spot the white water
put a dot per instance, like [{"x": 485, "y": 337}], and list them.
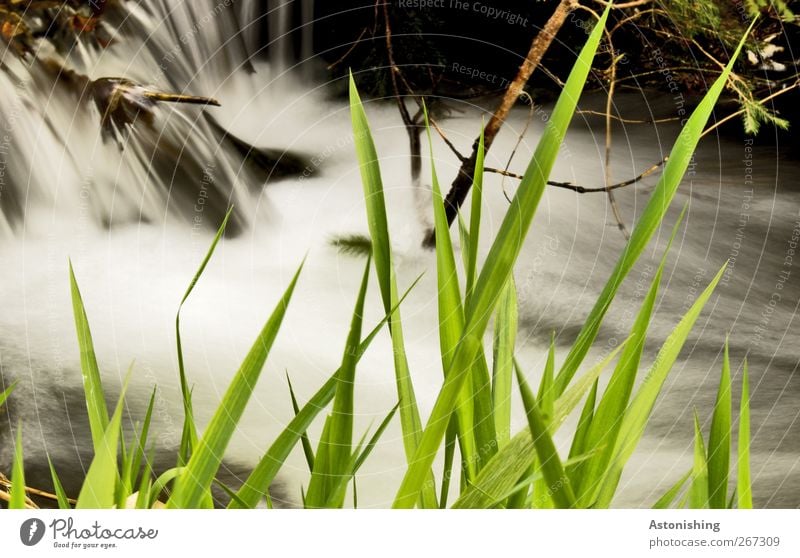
[{"x": 133, "y": 275}]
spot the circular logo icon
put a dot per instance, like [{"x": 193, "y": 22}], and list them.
[{"x": 31, "y": 532}]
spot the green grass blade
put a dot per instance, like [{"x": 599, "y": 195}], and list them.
[
  {"x": 514, "y": 461},
  {"x": 308, "y": 451},
  {"x": 92, "y": 385},
  {"x": 132, "y": 465},
  {"x": 569, "y": 400},
  {"x": 698, "y": 490},
  {"x": 100, "y": 485},
  {"x": 744, "y": 489},
  {"x": 719, "y": 440},
  {"x": 584, "y": 423},
  {"x": 17, "y": 497},
  {"x": 496, "y": 271},
  {"x": 638, "y": 412},
  {"x": 381, "y": 250},
  {"x": 230, "y": 493},
  {"x": 547, "y": 398},
  {"x": 335, "y": 446},
  {"x": 480, "y": 392},
  {"x": 671, "y": 495},
  {"x": 651, "y": 217},
  {"x": 505, "y": 334},
  {"x": 4, "y": 395},
  {"x": 61, "y": 496},
  {"x": 602, "y": 435},
  {"x": 193, "y": 485},
  {"x": 257, "y": 484},
  {"x": 322, "y": 482},
  {"x": 449, "y": 456},
  {"x": 451, "y": 315},
  {"x": 189, "y": 434},
  {"x": 362, "y": 457},
  {"x": 162, "y": 482},
  {"x": 475, "y": 216},
  {"x": 551, "y": 466}
]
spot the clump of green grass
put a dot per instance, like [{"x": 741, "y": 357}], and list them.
[{"x": 472, "y": 412}]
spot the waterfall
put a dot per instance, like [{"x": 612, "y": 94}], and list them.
[{"x": 54, "y": 147}]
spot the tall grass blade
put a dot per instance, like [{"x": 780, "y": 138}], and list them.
[
  {"x": 515, "y": 460},
  {"x": 99, "y": 487},
  {"x": 308, "y": 451},
  {"x": 189, "y": 434},
  {"x": 4, "y": 395},
  {"x": 92, "y": 385},
  {"x": 672, "y": 494},
  {"x": 58, "y": 488},
  {"x": 475, "y": 217},
  {"x": 653, "y": 214},
  {"x": 551, "y": 466},
  {"x": 381, "y": 251},
  {"x": 132, "y": 465},
  {"x": 497, "y": 269},
  {"x": 698, "y": 490},
  {"x": 257, "y": 484},
  {"x": 546, "y": 396},
  {"x": 336, "y": 446},
  {"x": 744, "y": 489},
  {"x": 17, "y": 497},
  {"x": 451, "y": 315},
  {"x": 638, "y": 412},
  {"x": 604, "y": 430},
  {"x": 719, "y": 440},
  {"x": 193, "y": 485},
  {"x": 584, "y": 423},
  {"x": 362, "y": 457},
  {"x": 505, "y": 334}
]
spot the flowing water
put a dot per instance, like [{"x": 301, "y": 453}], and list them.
[{"x": 136, "y": 216}]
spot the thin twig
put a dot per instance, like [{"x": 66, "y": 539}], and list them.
[{"x": 463, "y": 181}]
